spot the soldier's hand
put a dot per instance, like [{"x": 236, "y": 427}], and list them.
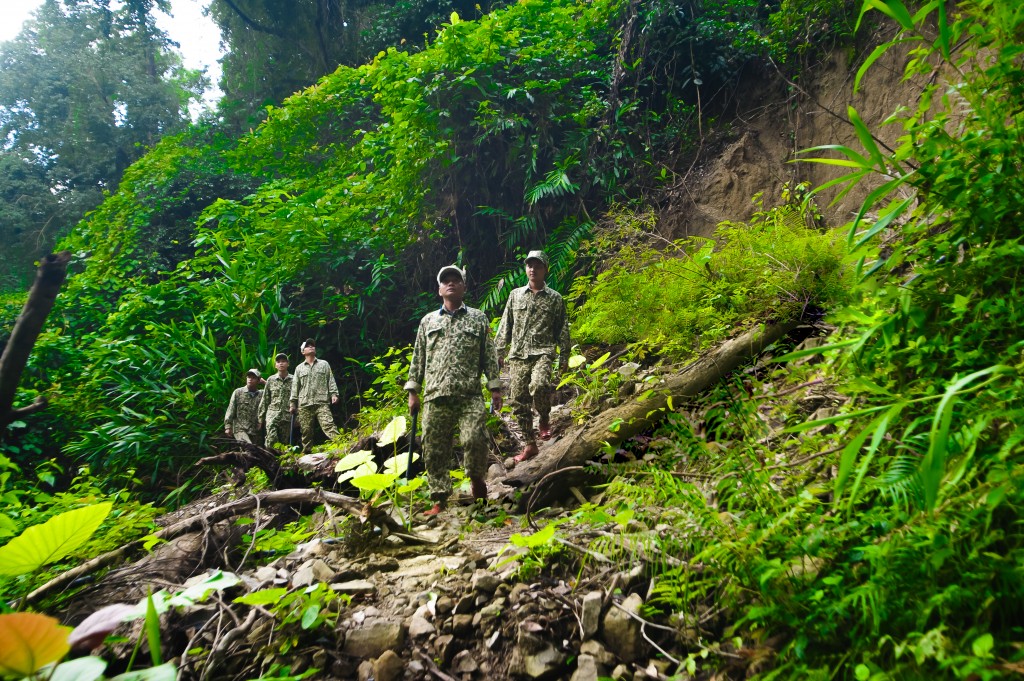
[
  {"x": 334, "y": 399},
  {"x": 496, "y": 401},
  {"x": 292, "y": 409},
  {"x": 414, "y": 402},
  {"x": 227, "y": 431}
]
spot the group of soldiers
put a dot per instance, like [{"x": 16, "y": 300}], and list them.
[
  {"x": 453, "y": 350},
  {"x": 308, "y": 394}
]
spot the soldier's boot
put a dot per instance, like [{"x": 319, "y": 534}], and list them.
[
  {"x": 529, "y": 451},
  {"x": 479, "y": 488}
]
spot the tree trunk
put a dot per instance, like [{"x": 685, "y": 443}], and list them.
[
  {"x": 612, "y": 427},
  {"x": 41, "y": 297}
]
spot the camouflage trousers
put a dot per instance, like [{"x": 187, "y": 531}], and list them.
[
  {"x": 310, "y": 414},
  {"x": 278, "y": 427},
  {"x": 441, "y": 417},
  {"x": 246, "y": 436},
  {"x": 530, "y": 387}
]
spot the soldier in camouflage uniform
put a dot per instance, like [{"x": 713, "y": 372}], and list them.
[
  {"x": 277, "y": 394},
  {"x": 453, "y": 348},
  {"x": 532, "y": 328},
  {"x": 313, "y": 391},
  {"x": 241, "y": 420}
]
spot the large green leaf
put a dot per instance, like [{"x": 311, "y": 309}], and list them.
[
  {"x": 51, "y": 541},
  {"x": 392, "y": 431}
]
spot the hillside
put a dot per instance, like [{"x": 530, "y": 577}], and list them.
[{"x": 787, "y": 451}]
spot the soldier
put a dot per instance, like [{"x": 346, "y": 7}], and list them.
[
  {"x": 241, "y": 420},
  {"x": 274, "y": 410},
  {"x": 313, "y": 390},
  {"x": 453, "y": 348},
  {"x": 533, "y": 326}
]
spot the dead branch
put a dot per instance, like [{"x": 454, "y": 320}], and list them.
[
  {"x": 49, "y": 277},
  {"x": 364, "y": 512}
]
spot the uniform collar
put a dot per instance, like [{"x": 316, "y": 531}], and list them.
[{"x": 462, "y": 308}]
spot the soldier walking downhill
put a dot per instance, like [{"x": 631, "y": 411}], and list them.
[
  {"x": 241, "y": 420},
  {"x": 533, "y": 327},
  {"x": 453, "y": 348},
  {"x": 277, "y": 394},
  {"x": 313, "y": 391}
]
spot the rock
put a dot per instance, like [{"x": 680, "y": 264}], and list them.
[
  {"x": 462, "y": 625},
  {"x": 485, "y": 581},
  {"x": 493, "y": 609},
  {"x": 356, "y": 586},
  {"x": 591, "y": 613},
  {"x": 265, "y": 574},
  {"x": 444, "y": 605},
  {"x": 464, "y": 663},
  {"x": 586, "y": 669},
  {"x": 518, "y": 592},
  {"x": 419, "y": 627},
  {"x": 365, "y": 672},
  {"x": 621, "y": 633},
  {"x": 444, "y": 650},
  {"x": 372, "y": 639},
  {"x": 388, "y": 667},
  {"x": 621, "y": 673},
  {"x": 466, "y": 605},
  {"x": 533, "y": 656},
  {"x": 312, "y": 572},
  {"x": 595, "y": 649}
]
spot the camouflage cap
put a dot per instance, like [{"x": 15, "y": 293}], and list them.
[
  {"x": 308, "y": 343},
  {"x": 280, "y": 357},
  {"x": 537, "y": 255},
  {"x": 451, "y": 268},
  {"x": 253, "y": 372}
]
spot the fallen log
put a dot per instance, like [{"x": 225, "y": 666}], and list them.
[
  {"x": 365, "y": 512},
  {"x": 49, "y": 277},
  {"x": 616, "y": 425}
]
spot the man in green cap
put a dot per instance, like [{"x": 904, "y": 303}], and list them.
[
  {"x": 313, "y": 391},
  {"x": 533, "y": 327},
  {"x": 241, "y": 420},
  {"x": 277, "y": 394},
  {"x": 453, "y": 348}
]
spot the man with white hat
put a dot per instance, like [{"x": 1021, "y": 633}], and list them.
[
  {"x": 313, "y": 391},
  {"x": 241, "y": 420},
  {"x": 534, "y": 326},
  {"x": 453, "y": 349}
]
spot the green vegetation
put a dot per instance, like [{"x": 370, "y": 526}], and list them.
[{"x": 881, "y": 540}]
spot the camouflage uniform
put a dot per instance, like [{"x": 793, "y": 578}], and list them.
[
  {"x": 533, "y": 326},
  {"x": 277, "y": 394},
  {"x": 242, "y": 416},
  {"x": 313, "y": 387},
  {"x": 452, "y": 350}
]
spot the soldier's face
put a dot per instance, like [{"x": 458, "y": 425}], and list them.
[
  {"x": 452, "y": 287},
  {"x": 536, "y": 271},
  {"x": 309, "y": 351},
  {"x": 251, "y": 382},
  {"x": 281, "y": 364}
]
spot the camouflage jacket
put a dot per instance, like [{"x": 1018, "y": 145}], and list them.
[
  {"x": 242, "y": 415},
  {"x": 313, "y": 384},
  {"x": 452, "y": 350},
  {"x": 534, "y": 324},
  {"x": 277, "y": 393}
]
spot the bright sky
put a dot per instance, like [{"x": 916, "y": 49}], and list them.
[{"x": 196, "y": 34}]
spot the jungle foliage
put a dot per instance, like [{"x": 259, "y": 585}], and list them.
[
  {"x": 496, "y": 136},
  {"x": 882, "y": 541}
]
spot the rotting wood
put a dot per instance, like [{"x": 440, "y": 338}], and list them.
[
  {"x": 359, "y": 509},
  {"x": 49, "y": 277},
  {"x": 616, "y": 425}
]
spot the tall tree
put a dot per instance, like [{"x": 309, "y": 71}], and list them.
[
  {"x": 85, "y": 88},
  {"x": 275, "y": 48}
]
